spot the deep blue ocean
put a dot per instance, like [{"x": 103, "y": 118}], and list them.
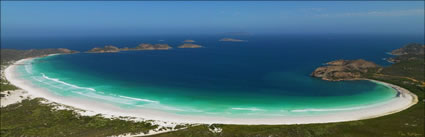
[{"x": 267, "y": 72}]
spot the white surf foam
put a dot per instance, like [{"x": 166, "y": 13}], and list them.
[
  {"x": 250, "y": 109},
  {"x": 68, "y": 84},
  {"x": 41, "y": 81},
  {"x": 28, "y": 67},
  {"x": 106, "y": 98}
]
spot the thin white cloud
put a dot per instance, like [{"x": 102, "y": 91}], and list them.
[{"x": 408, "y": 12}]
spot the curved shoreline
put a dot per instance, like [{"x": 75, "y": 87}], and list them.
[{"x": 397, "y": 104}]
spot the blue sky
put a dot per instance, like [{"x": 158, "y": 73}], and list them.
[{"x": 77, "y": 18}]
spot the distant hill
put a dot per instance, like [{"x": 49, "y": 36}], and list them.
[{"x": 8, "y": 55}]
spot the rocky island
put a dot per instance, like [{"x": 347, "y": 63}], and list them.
[
  {"x": 344, "y": 70},
  {"x": 106, "y": 49},
  {"x": 190, "y": 45},
  {"x": 231, "y": 40},
  {"x": 143, "y": 46}
]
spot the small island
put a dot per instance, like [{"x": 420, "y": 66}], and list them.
[
  {"x": 231, "y": 40},
  {"x": 106, "y": 49},
  {"x": 190, "y": 45},
  {"x": 188, "y": 40},
  {"x": 143, "y": 46}
]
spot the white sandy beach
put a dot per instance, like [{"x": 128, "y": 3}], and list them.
[{"x": 397, "y": 104}]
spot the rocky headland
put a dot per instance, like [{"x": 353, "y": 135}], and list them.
[
  {"x": 190, "y": 45},
  {"x": 231, "y": 40},
  {"x": 411, "y": 48},
  {"x": 344, "y": 70},
  {"x": 409, "y": 52}
]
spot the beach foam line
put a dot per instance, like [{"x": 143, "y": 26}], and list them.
[
  {"x": 161, "y": 107},
  {"x": 28, "y": 67},
  {"x": 41, "y": 81},
  {"x": 250, "y": 109},
  {"x": 106, "y": 98},
  {"x": 68, "y": 84},
  {"x": 139, "y": 99}
]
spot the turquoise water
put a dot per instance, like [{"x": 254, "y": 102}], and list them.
[{"x": 268, "y": 94}]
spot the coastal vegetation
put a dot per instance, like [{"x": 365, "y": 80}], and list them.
[
  {"x": 10, "y": 55},
  {"x": 33, "y": 118},
  {"x": 409, "y": 49}
]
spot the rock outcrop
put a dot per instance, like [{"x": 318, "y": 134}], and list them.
[
  {"x": 344, "y": 69},
  {"x": 190, "y": 45}
]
